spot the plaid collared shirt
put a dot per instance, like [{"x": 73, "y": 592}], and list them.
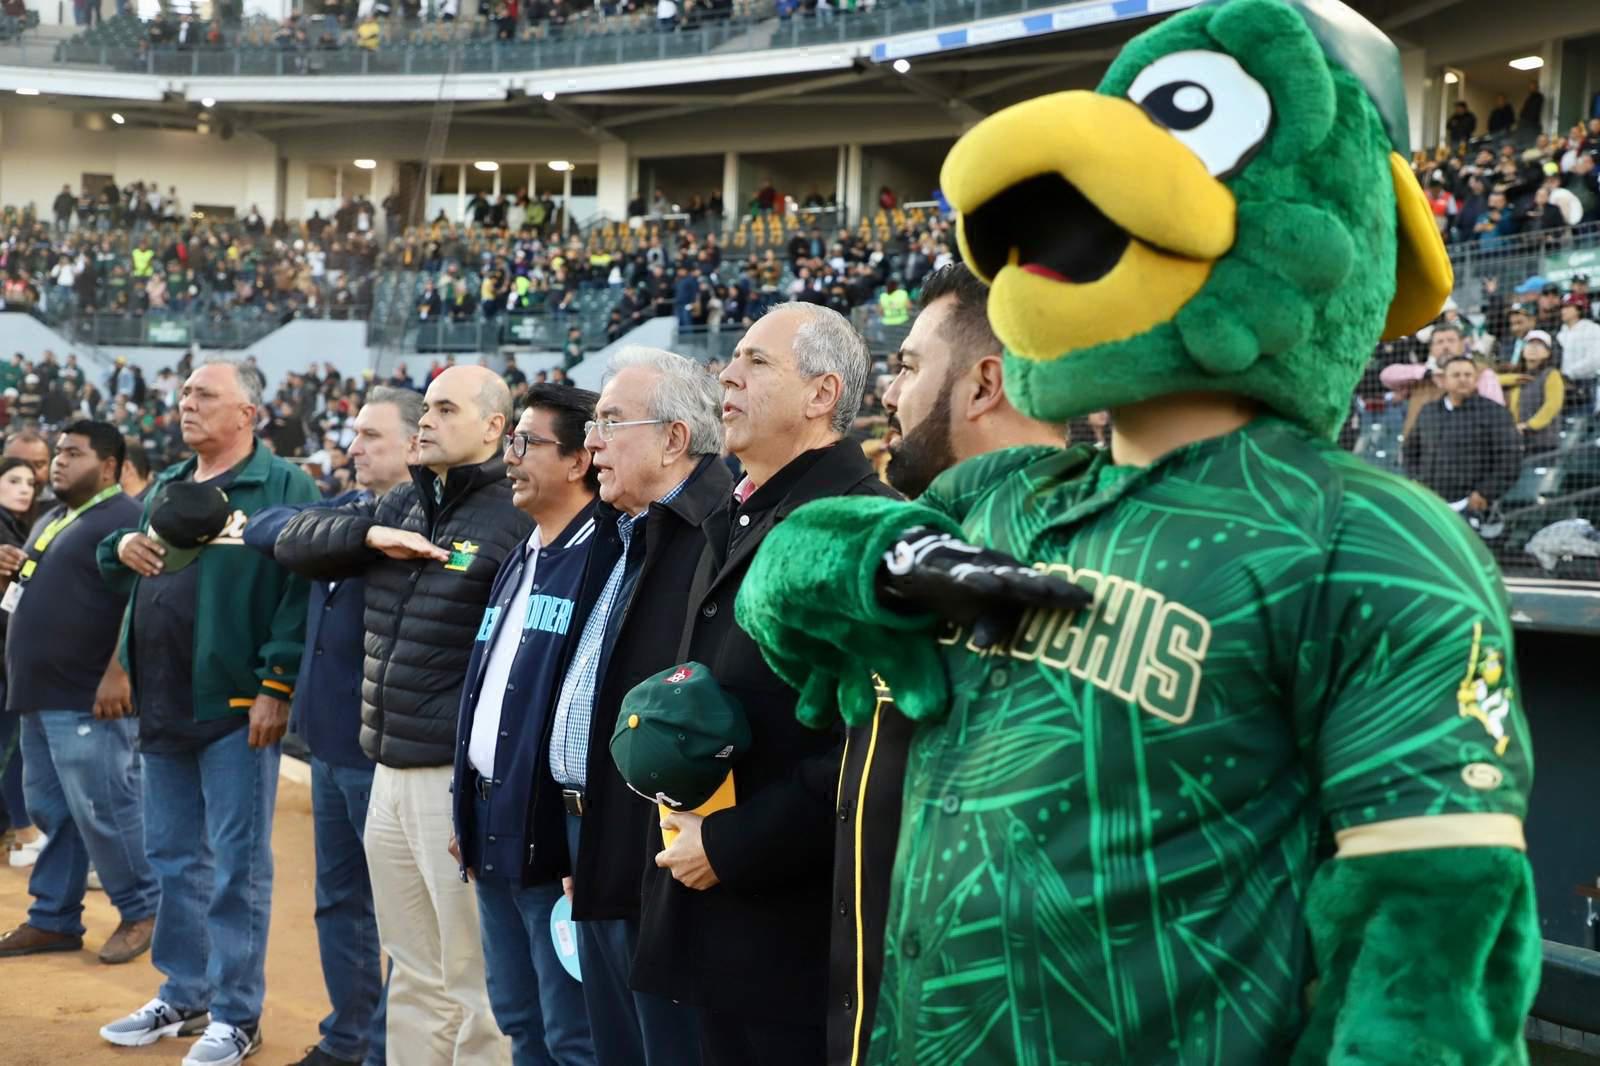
[{"x": 569, "y": 737}]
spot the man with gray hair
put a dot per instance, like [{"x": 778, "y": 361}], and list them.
[
  {"x": 735, "y": 917},
  {"x": 211, "y": 641},
  {"x": 327, "y": 716},
  {"x": 656, "y": 438}
]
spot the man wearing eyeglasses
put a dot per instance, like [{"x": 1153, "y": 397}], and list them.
[
  {"x": 429, "y": 550},
  {"x": 656, "y": 437},
  {"x": 516, "y": 663}
]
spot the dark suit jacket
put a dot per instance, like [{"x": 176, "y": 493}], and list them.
[
  {"x": 327, "y": 694},
  {"x": 611, "y": 862},
  {"x": 757, "y": 943}
]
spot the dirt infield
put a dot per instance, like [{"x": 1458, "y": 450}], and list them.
[{"x": 51, "y": 1006}]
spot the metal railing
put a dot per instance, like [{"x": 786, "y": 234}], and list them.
[
  {"x": 541, "y": 332},
  {"x": 1511, "y": 259},
  {"x": 569, "y": 49},
  {"x": 209, "y": 330}
]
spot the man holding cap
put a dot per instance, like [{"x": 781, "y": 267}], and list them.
[
  {"x": 656, "y": 439},
  {"x": 81, "y": 771},
  {"x": 212, "y": 642}
]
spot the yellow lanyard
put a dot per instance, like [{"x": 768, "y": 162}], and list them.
[{"x": 54, "y": 529}]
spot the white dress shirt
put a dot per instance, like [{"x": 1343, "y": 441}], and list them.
[{"x": 485, "y": 737}]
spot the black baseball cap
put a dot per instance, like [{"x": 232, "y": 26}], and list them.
[{"x": 185, "y": 518}]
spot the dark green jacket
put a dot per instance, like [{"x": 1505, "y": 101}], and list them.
[{"x": 250, "y": 612}]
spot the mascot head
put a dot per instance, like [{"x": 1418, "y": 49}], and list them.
[{"x": 1230, "y": 211}]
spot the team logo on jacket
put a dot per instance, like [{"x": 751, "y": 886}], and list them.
[
  {"x": 682, "y": 674},
  {"x": 462, "y": 554}
]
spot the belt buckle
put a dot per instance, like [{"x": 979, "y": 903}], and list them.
[{"x": 573, "y": 799}]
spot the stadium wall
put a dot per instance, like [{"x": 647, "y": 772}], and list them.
[{"x": 42, "y": 149}]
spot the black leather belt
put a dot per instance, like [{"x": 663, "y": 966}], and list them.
[
  {"x": 573, "y": 799},
  {"x": 482, "y": 786}
]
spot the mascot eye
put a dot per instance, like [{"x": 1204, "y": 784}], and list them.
[{"x": 1209, "y": 103}]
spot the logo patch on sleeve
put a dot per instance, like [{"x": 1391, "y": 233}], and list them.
[{"x": 1483, "y": 694}]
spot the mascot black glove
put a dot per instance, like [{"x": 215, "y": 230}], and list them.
[{"x": 960, "y": 582}]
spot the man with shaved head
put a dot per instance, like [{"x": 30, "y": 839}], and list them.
[{"x": 429, "y": 551}]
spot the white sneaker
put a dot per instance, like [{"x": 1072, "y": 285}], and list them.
[
  {"x": 151, "y": 1022},
  {"x": 24, "y": 855},
  {"x": 92, "y": 883},
  {"x": 223, "y": 1045}
]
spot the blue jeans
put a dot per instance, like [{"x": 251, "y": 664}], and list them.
[
  {"x": 82, "y": 781},
  {"x": 347, "y": 932},
  {"x": 13, "y": 803},
  {"x": 208, "y": 830},
  {"x": 536, "y": 1002},
  {"x": 630, "y": 1028}
]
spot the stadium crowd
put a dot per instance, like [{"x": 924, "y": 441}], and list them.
[
  {"x": 133, "y": 252},
  {"x": 1490, "y": 187}
]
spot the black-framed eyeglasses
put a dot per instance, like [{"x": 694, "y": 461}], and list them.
[{"x": 518, "y": 443}]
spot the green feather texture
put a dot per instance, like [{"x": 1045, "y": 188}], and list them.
[
  {"x": 810, "y": 601},
  {"x": 1426, "y": 958},
  {"x": 1291, "y": 314}
]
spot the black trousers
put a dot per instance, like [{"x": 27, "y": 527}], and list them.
[{"x": 728, "y": 1039}]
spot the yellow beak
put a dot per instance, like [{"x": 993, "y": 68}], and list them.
[{"x": 1067, "y": 208}]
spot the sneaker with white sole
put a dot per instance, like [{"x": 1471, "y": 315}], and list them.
[
  {"x": 26, "y": 854},
  {"x": 153, "y": 1021},
  {"x": 223, "y": 1045}
]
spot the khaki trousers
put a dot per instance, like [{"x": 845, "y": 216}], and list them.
[{"x": 428, "y": 924}]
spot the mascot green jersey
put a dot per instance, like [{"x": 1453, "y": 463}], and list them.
[{"x": 1261, "y": 801}]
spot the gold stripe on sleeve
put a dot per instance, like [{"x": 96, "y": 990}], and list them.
[{"x": 1464, "y": 830}]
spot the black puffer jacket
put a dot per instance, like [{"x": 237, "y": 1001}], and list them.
[{"x": 421, "y": 616}]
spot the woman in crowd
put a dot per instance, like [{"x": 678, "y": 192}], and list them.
[
  {"x": 1536, "y": 394},
  {"x": 21, "y": 841}
]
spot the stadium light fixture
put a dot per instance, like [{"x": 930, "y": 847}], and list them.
[
  {"x": 902, "y": 66},
  {"x": 366, "y": 164},
  {"x": 1450, "y": 77},
  {"x": 208, "y": 102},
  {"x": 27, "y": 92},
  {"x": 1527, "y": 63},
  {"x": 488, "y": 166},
  {"x": 116, "y": 116},
  {"x": 548, "y": 95},
  {"x": 560, "y": 165}
]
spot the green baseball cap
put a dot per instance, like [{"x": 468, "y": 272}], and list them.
[{"x": 678, "y": 735}]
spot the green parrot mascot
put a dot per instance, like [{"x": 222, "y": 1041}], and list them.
[{"x": 1261, "y": 800}]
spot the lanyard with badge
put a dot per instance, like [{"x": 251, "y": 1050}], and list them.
[{"x": 42, "y": 543}]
